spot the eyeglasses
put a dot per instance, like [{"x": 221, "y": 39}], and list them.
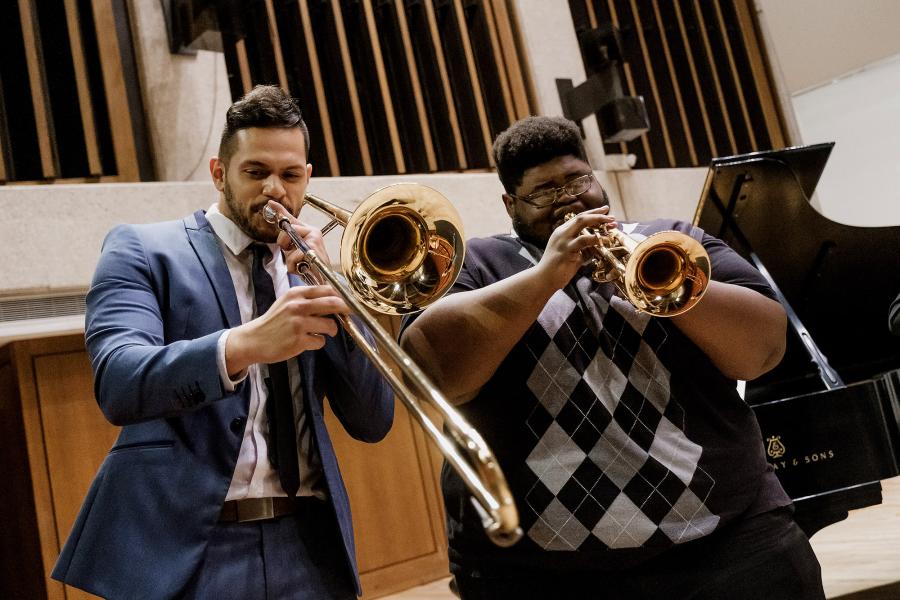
[{"x": 545, "y": 198}]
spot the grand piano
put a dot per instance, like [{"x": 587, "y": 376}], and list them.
[{"x": 829, "y": 413}]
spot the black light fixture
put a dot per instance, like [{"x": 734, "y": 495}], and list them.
[
  {"x": 621, "y": 118},
  {"x": 194, "y": 24}
]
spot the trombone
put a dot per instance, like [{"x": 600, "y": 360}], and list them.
[
  {"x": 402, "y": 249},
  {"x": 664, "y": 275}
]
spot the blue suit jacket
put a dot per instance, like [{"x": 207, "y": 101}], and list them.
[{"x": 160, "y": 298}]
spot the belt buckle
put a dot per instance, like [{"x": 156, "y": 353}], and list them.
[{"x": 255, "y": 509}]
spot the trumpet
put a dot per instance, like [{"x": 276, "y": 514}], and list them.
[
  {"x": 402, "y": 249},
  {"x": 664, "y": 275}
]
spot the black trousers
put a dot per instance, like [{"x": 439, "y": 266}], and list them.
[{"x": 764, "y": 557}]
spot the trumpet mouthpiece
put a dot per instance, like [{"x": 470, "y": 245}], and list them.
[{"x": 269, "y": 214}]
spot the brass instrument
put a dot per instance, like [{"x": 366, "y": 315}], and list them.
[
  {"x": 402, "y": 249},
  {"x": 664, "y": 275}
]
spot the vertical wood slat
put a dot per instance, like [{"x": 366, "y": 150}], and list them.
[
  {"x": 715, "y": 74},
  {"x": 427, "y": 140},
  {"x": 682, "y": 114},
  {"x": 325, "y": 117},
  {"x": 474, "y": 80},
  {"x": 760, "y": 73},
  {"x": 445, "y": 80},
  {"x": 4, "y": 150},
  {"x": 351, "y": 87},
  {"x": 497, "y": 55},
  {"x": 84, "y": 94},
  {"x": 696, "y": 81},
  {"x": 38, "y": 85},
  {"x": 735, "y": 76},
  {"x": 694, "y": 36},
  {"x": 505, "y": 88},
  {"x": 272, "y": 25},
  {"x": 510, "y": 59},
  {"x": 240, "y": 49},
  {"x": 632, "y": 91},
  {"x": 592, "y": 14},
  {"x": 384, "y": 87},
  {"x": 114, "y": 88},
  {"x": 651, "y": 76}
]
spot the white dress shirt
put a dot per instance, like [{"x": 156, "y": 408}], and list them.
[{"x": 254, "y": 476}]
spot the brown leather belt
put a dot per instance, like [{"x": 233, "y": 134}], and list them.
[{"x": 256, "y": 509}]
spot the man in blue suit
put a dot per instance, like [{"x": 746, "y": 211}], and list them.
[{"x": 200, "y": 339}]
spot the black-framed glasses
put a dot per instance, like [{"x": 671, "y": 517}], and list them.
[{"x": 545, "y": 198}]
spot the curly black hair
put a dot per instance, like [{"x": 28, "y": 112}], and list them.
[
  {"x": 533, "y": 141},
  {"x": 263, "y": 106}
]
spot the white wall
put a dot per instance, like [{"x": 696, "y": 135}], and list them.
[
  {"x": 820, "y": 40},
  {"x": 861, "y": 113},
  {"x": 837, "y": 61}
]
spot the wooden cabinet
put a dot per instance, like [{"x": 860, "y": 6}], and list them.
[{"x": 55, "y": 437}]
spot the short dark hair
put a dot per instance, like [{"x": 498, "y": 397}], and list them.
[
  {"x": 263, "y": 106},
  {"x": 533, "y": 141}
]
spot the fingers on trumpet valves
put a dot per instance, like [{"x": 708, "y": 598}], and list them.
[{"x": 595, "y": 218}]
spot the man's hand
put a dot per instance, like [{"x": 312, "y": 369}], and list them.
[
  {"x": 310, "y": 235},
  {"x": 563, "y": 255},
  {"x": 295, "y": 323}
]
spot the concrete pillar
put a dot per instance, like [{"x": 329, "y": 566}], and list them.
[{"x": 551, "y": 53}]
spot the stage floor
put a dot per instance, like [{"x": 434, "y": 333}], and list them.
[{"x": 861, "y": 553}]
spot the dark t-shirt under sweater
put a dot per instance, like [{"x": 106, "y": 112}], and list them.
[{"x": 618, "y": 436}]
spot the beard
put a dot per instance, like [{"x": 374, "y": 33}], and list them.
[
  {"x": 536, "y": 236},
  {"x": 250, "y": 220}
]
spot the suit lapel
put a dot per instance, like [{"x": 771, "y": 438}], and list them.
[{"x": 208, "y": 251}]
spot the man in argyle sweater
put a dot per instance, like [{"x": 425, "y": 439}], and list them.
[{"x": 637, "y": 469}]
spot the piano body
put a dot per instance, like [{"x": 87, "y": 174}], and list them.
[{"x": 830, "y": 412}]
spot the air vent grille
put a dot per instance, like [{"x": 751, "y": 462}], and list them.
[{"x": 27, "y": 309}]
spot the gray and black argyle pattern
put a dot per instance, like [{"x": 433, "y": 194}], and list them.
[{"x": 611, "y": 464}]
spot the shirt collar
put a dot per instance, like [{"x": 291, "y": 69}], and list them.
[{"x": 234, "y": 238}]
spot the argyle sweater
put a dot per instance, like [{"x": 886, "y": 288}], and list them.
[{"x": 618, "y": 436}]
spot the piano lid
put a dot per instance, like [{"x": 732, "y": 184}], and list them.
[{"x": 839, "y": 279}]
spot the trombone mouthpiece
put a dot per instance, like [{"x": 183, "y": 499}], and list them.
[{"x": 269, "y": 214}]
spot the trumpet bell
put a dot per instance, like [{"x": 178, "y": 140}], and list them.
[
  {"x": 667, "y": 274},
  {"x": 402, "y": 248}
]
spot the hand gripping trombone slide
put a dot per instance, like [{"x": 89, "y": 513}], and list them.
[{"x": 402, "y": 249}]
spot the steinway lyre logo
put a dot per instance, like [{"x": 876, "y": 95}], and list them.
[{"x": 775, "y": 449}]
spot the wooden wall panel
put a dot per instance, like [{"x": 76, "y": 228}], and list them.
[
  {"x": 21, "y": 565},
  {"x": 399, "y": 85},
  {"x": 76, "y": 434},
  {"x": 70, "y": 109},
  {"x": 702, "y": 71},
  {"x": 396, "y": 511}
]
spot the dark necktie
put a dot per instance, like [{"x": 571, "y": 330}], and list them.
[{"x": 279, "y": 405}]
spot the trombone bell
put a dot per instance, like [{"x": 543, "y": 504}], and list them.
[{"x": 402, "y": 247}]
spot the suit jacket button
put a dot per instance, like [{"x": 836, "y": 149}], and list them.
[{"x": 237, "y": 426}]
